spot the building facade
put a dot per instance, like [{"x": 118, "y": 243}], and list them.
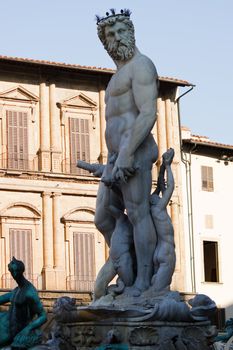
[
  {"x": 207, "y": 173},
  {"x": 51, "y": 115}
]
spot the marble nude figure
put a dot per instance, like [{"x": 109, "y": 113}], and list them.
[{"x": 134, "y": 223}]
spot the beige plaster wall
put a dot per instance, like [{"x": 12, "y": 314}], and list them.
[
  {"x": 65, "y": 202},
  {"x": 217, "y": 204}
]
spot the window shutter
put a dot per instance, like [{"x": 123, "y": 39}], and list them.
[
  {"x": 17, "y": 140},
  {"x": 79, "y": 143},
  {"x": 209, "y": 221},
  {"x": 84, "y": 260},
  {"x": 207, "y": 178},
  {"x": 10, "y": 138},
  {"x": 21, "y": 248},
  {"x": 210, "y": 179}
]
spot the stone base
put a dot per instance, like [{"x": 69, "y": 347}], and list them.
[
  {"x": 159, "y": 322},
  {"x": 156, "y": 335}
]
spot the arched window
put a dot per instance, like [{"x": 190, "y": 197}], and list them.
[
  {"x": 85, "y": 247},
  {"x": 20, "y": 237},
  {"x": 84, "y": 260}
]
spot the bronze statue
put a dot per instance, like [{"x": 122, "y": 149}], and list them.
[{"x": 20, "y": 326}]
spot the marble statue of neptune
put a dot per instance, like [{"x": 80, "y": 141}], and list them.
[{"x": 130, "y": 116}]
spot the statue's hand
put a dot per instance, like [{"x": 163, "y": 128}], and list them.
[
  {"x": 24, "y": 333},
  {"x": 22, "y": 337},
  {"x": 123, "y": 168},
  {"x": 168, "y": 156}
]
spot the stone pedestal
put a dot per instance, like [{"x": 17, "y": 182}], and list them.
[
  {"x": 156, "y": 335},
  {"x": 162, "y": 322}
]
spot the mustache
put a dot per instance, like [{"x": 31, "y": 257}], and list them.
[{"x": 114, "y": 46}]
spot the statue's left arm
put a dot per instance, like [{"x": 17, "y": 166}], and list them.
[
  {"x": 145, "y": 92},
  {"x": 5, "y": 298},
  {"x": 167, "y": 193}
]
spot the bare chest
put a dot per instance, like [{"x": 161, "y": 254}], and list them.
[
  {"x": 120, "y": 83},
  {"x": 19, "y": 297}
]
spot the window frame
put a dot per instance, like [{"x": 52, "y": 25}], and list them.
[
  {"x": 85, "y": 136},
  {"x": 21, "y": 216},
  {"x": 208, "y": 178},
  {"x": 216, "y": 240},
  {"x": 25, "y": 144}
]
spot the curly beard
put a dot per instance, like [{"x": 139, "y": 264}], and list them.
[{"x": 123, "y": 50}]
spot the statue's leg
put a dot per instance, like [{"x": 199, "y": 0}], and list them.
[
  {"x": 155, "y": 261},
  {"x": 125, "y": 269},
  {"x": 5, "y": 338},
  {"x": 166, "y": 260},
  {"x": 121, "y": 244},
  {"x": 105, "y": 275},
  {"x": 104, "y": 221},
  {"x": 136, "y": 194}
]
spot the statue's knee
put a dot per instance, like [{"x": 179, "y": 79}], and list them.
[
  {"x": 134, "y": 215},
  {"x": 96, "y": 221},
  {"x": 104, "y": 224},
  {"x": 99, "y": 223}
]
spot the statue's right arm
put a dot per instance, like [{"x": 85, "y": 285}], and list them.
[
  {"x": 167, "y": 193},
  {"x": 5, "y": 298}
]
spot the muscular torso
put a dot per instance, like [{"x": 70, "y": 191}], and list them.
[
  {"x": 163, "y": 225},
  {"x": 21, "y": 310},
  {"x": 121, "y": 110}
]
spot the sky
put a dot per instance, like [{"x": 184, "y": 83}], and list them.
[{"x": 186, "y": 39}]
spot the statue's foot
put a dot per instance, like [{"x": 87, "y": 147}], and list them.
[
  {"x": 132, "y": 291},
  {"x": 153, "y": 292}
]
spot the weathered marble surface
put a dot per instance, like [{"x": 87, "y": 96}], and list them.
[
  {"x": 156, "y": 335},
  {"x": 126, "y": 180},
  {"x": 141, "y": 335},
  {"x": 156, "y": 323},
  {"x": 134, "y": 223},
  {"x": 122, "y": 255}
]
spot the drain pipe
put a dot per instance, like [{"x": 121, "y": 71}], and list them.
[{"x": 187, "y": 163}]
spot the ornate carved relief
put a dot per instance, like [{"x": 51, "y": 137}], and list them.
[
  {"x": 85, "y": 336},
  {"x": 144, "y": 336}
]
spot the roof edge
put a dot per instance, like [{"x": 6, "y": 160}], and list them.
[{"x": 178, "y": 82}]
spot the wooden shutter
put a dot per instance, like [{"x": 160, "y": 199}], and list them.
[
  {"x": 207, "y": 178},
  {"x": 84, "y": 260},
  {"x": 79, "y": 143},
  {"x": 17, "y": 140},
  {"x": 21, "y": 248}
]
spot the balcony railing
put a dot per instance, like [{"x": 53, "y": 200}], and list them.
[
  {"x": 80, "y": 283},
  {"x": 9, "y": 283},
  {"x": 69, "y": 167},
  {"x": 19, "y": 161}
]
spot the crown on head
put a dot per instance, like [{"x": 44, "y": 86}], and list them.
[{"x": 112, "y": 13}]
